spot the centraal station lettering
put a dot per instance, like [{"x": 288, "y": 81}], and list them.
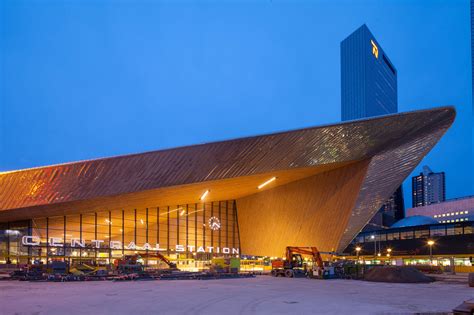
[{"x": 78, "y": 243}]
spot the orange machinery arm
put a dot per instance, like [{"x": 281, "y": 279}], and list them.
[
  {"x": 310, "y": 251},
  {"x": 159, "y": 256}
]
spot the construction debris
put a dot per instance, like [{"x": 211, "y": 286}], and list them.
[{"x": 396, "y": 274}]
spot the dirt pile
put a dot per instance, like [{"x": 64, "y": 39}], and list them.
[{"x": 396, "y": 274}]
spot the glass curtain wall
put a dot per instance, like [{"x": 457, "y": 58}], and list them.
[{"x": 188, "y": 232}]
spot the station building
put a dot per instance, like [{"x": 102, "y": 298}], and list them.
[
  {"x": 408, "y": 243},
  {"x": 315, "y": 186},
  {"x": 448, "y": 224}
]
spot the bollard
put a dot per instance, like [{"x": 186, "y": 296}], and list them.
[{"x": 471, "y": 279}]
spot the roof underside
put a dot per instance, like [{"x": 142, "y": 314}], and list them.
[{"x": 395, "y": 144}]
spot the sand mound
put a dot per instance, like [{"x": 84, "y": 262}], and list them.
[{"x": 396, "y": 274}]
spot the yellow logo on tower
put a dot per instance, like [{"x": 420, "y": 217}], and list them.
[{"x": 375, "y": 49}]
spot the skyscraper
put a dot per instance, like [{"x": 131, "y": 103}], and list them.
[
  {"x": 472, "y": 49},
  {"x": 428, "y": 188},
  {"x": 472, "y": 87},
  {"x": 368, "y": 78},
  {"x": 369, "y": 88}
]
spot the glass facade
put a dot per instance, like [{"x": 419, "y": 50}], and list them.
[
  {"x": 416, "y": 232},
  {"x": 411, "y": 245},
  {"x": 185, "y": 233},
  {"x": 368, "y": 78}
]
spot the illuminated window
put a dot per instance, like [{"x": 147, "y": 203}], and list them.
[
  {"x": 457, "y": 213},
  {"x": 435, "y": 216}
]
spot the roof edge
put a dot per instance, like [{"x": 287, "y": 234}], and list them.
[{"x": 448, "y": 108}]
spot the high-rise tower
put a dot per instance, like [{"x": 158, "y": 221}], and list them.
[
  {"x": 428, "y": 188},
  {"x": 368, "y": 78}
]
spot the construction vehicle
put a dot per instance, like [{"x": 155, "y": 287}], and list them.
[
  {"x": 225, "y": 265},
  {"x": 58, "y": 270},
  {"x": 35, "y": 272},
  {"x": 294, "y": 266},
  {"x": 171, "y": 265},
  {"x": 131, "y": 263}
]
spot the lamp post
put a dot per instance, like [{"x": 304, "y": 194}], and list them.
[
  {"x": 375, "y": 244},
  {"x": 389, "y": 252},
  {"x": 358, "y": 251},
  {"x": 430, "y": 244}
]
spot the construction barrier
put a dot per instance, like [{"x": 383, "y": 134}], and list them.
[{"x": 464, "y": 269}]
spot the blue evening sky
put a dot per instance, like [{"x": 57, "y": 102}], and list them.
[{"x": 89, "y": 79}]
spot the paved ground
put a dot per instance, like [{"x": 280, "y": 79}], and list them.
[{"x": 261, "y": 295}]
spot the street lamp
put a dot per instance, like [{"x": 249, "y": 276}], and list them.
[
  {"x": 389, "y": 251},
  {"x": 430, "y": 244},
  {"x": 375, "y": 244},
  {"x": 358, "y": 249}
]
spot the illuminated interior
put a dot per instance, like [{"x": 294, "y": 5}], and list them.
[{"x": 190, "y": 234}]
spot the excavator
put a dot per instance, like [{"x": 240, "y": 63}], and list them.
[
  {"x": 131, "y": 264},
  {"x": 294, "y": 266}
]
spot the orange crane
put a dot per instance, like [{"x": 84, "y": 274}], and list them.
[{"x": 293, "y": 263}]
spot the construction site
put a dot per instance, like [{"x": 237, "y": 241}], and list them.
[
  {"x": 299, "y": 282},
  {"x": 298, "y": 263}
]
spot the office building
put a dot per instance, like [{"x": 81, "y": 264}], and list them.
[
  {"x": 428, "y": 188},
  {"x": 368, "y": 77}
]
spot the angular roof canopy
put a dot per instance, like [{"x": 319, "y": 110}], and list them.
[{"x": 394, "y": 144}]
